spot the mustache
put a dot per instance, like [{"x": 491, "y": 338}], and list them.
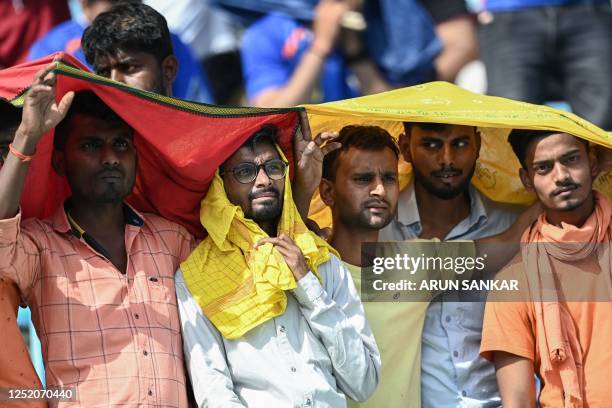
[
  {"x": 116, "y": 172},
  {"x": 375, "y": 202},
  {"x": 447, "y": 171},
  {"x": 258, "y": 193},
  {"x": 564, "y": 187}
]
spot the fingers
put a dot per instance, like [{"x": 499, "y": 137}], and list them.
[
  {"x": 45, "y": 75},
  {"x": 325, "y": 137},
  {"x": 65, "y": 103},
  {"x": 305, "y": 126}
]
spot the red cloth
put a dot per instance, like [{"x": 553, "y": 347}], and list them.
[
  {"x": 24, "y": 21},
  {"x": 179, "y": 144}
]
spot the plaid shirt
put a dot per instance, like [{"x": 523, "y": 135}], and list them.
[{"x": 114, "y": 337}]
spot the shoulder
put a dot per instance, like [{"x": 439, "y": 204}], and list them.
[
  {"x": 156, "y": 224},
  {"x": 273, "y": 26}
]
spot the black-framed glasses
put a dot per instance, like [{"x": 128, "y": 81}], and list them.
[{"x": 244, "y": 173}]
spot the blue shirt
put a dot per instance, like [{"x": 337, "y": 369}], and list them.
[
  {"x": 271, "y": 51},
  {"x": 452, "y": 372},
  {"x": 190, "y": 82}
]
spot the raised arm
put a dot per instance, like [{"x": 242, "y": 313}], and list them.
[
  {"x": 40, "y": 114},
  {"x": 298, "y": 89}
]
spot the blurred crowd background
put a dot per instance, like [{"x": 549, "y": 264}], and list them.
[{"x": 289, "y": 52}]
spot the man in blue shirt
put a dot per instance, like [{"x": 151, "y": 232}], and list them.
[
  {"x": 442, "y": 203},
  {"x": 286, "y": 62},
  {"x": 527, "y": 45},
  {"x": 190, "y": 82}
]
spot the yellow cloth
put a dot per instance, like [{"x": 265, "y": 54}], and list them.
[
  {"x": 496, "y": 173},
  {"x": 239, "y": 287}
]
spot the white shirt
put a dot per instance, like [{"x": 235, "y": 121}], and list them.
[{"x": 314, "y": 354}]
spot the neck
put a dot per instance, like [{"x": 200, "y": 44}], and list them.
[
  {"x": 270, "y": 227},
  {"x": 98, "y": 219},
  {"x": 347, "y": 242},
  {"x": 438, "y": 216},
  {"x": 576, "y": 217}
]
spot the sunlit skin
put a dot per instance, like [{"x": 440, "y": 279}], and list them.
[
  {"x": 138, "y": 69},
  {"x": 443, "y": 164},
  {"x": 363, "y": 198},
  {"x": 560, "y": 171},
  {"x": 262, "y": 199}
]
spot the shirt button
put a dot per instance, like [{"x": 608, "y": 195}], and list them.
[
  {"x": 150, "y": 392},
  {"x": 463, "y": 393},
  {"x": 146, "y": 353},
  {"x": 281, "y": 329},
  {"x": 136, "y": 316},
  {"x": 308, "y": 402},
  {"x": 456, "y": 353},
  {"x": 293, "y": 369},
  {"x": 448, "y": 319}
]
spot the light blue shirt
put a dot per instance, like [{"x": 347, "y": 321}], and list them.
[{"x": 452, "y": 372}]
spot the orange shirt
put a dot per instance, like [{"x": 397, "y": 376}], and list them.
[
  {"x": 14, "y": 353},
  {"x": 114, "y": 337},
  {"x": 510, "y": 326}
]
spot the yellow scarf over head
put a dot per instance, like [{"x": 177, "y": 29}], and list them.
[{"x": 237, "y": 286}]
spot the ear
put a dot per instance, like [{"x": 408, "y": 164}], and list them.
[
  {"x": 524, "y": 175},
  {"x": 58, "y": 162},
  {"x": 326, "y": 190},
  {"x": 169, "y": 68},
  {"x": 404, "y": 146}
]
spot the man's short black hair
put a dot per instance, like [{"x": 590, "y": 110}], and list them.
[
  {"x": 10, "y": 116},
  {"x": 128, "y": 26},
  {"x": 520, "y": 139},
  {"x": 267, "y": 134},
  {"x": 84, "y": 103},
  {"x": 370, "y": 138}
]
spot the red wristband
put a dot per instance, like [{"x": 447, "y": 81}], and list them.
[{"x": 19, "y": 155}]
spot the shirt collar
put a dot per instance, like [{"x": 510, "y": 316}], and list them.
[
  {"x": 61, "y": 224},
  {"x": 408, "y": 211}
]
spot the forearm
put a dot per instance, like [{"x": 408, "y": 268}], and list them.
[
  {"x": 13, "y": 175},
  {"x": 370, "y": 79},
  {"x": 501, "y": 248},
  {"x": 298, "y": 89},
  {"x": 341, "y": 326},
  {"x": 460, "y": 46}
]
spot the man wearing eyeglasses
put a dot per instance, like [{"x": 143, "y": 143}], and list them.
[{"x": 270, "y": 316}]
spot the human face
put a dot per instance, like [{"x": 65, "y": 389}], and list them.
[
  {"x": 99, "y": 160},
  {"x": 137, "y": 69},
  {"x": 364, "y": 193},
  {"x": 443, "y": 162},
  {"x": 6, "y": 138},
  {"x": 262, "y": 199},
  {"x": 560, "y": 172}
]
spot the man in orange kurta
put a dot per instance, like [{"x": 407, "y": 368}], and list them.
[{"x": 561, "y": 332}]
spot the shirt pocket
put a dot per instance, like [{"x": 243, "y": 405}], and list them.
[{"x": 162, "y": 303}]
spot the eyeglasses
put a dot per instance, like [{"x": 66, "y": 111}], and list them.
[{"x": 244, "y": 173}]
